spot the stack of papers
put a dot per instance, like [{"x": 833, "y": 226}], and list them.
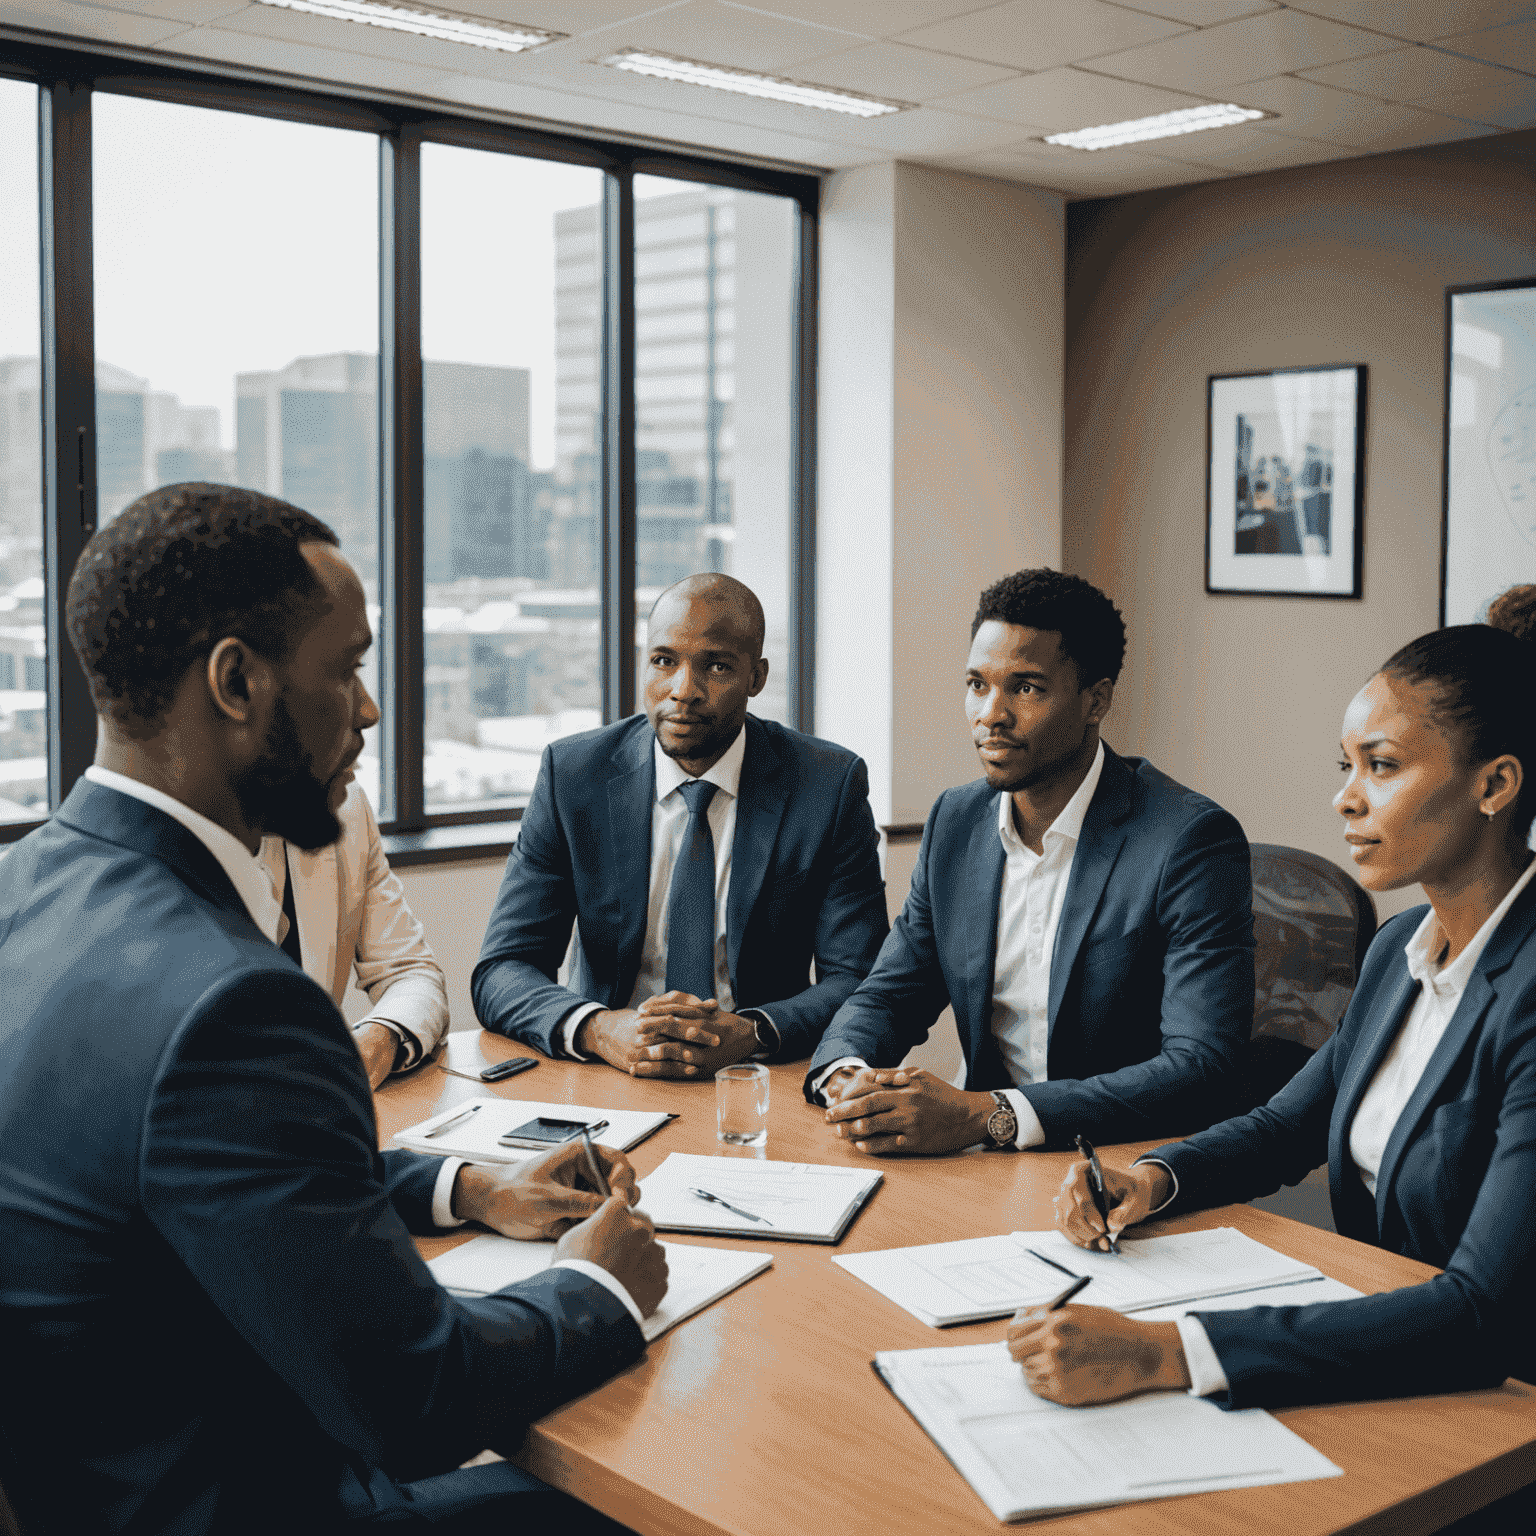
[
  {"x": 696, "y": 1277},
  {"x": 1025, "y": 1456},
  {"x": 476, "y": 1136},
  {"x": 982, "y": 1277},
  {"x": 801, "y": 1202}
]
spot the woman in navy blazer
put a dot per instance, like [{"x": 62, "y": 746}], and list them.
[{"x": 1423, "y": 1104}]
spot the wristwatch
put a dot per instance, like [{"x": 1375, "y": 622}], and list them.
[
  {"x": 764, "y": 1032},
  {"x": 1002, "y": 1123}
]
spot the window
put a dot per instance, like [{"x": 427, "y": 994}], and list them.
[
  {"x": 23, "y": 656},
  {"x": 507, "y": 366}
]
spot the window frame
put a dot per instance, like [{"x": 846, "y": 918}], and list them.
[{"x": 67, "y": 78}]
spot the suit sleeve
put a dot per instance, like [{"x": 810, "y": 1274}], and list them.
[
  {"x": 513, "y": 984},
  {"x": 850, "y": 923},
  {"x": 257, "y": 1168},
  {"x": 896, "y": 1005},
  {"x": 394, "y": 963},
  {"x": 1205, "y": 912}
]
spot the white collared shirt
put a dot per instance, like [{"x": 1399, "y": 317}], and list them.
[
  {"x": 1029, "y": 908},
  {"x": 669, "y": 825}
]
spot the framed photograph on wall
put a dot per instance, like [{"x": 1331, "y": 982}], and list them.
[
  {"x": 1488, "y": 537},
  {"x": 1285, "y": 481}
]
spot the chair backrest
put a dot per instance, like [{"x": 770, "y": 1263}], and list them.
[
  {"x": 1312, "y": 925},
  {"x": 9, "y": 1525}
]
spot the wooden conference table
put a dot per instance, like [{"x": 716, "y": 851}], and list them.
[{"x": 761, "y": 1415}]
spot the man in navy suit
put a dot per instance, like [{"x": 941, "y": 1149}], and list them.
[
  {"x": 1088, "y": 919},
  {"x": 214, "y": 1319},
  {"x": 706, "y": 858}
]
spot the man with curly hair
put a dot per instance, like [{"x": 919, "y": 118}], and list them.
[
  {"x": 1515, "y": 610},
  {"x": 1088, "y": 919}
]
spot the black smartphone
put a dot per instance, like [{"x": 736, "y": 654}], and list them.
[
  {"x": 508, "y": 1068},
  {"x": 547, "y": 1132}
]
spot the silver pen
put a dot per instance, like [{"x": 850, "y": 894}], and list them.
[
  {"x": 594, "y": 1168},
  {"x": 448, "y": 1125},
  {"x": 704, "y": 1194}
]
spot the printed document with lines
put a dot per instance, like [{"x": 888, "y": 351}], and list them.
[
  {"x": 982, "y": 1277},
  {"x": 802, "y": 1202},
  {"x": 696, "y": 1277},
  {"x": 1024, "y": 1456},
  {"x": 475, "y": 1137}
]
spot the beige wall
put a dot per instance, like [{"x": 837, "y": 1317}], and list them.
[{"x": 1241, "y": 697}]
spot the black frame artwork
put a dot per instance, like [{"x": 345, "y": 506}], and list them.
[
  {"x": 1481, "y": 528},
  {"x": 1283, "y": 532}
]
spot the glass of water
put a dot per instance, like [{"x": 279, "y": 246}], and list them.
[{"x": 741, "y": 1104}]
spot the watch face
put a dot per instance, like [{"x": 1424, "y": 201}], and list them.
[{"x": 1002, "y": 1126}]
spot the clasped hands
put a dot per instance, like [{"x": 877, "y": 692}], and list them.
[
  {"x": 1081, "y": 1355},
  {"x": 551, "y": 1196},
  {"x": 897, "y": 1111},
  {"x": 674, "y": 1035}
]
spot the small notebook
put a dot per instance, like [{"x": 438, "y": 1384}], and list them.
[
  {"x": 1026, "y": 1457},
  {"x": 794, "y": 1202},
  {"x": 983, "y": 1277},
  {"x": 696, "y": 1277},
  {"x": 476, "y": 1136}
]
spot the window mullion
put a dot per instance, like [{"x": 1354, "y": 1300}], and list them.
[
  {"x": 618, "y": 486},
  {"x": 802, "y": 485}
]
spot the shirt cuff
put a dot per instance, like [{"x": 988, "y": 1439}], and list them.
[
  {"x": 1031, "y": 1132},
  {"x": 1172, "y": 1176},
  {"x": 442, "y": 1194},
  {"x": 837, "y": 1066},
  {"x": 569, "y": 1025},
  {"x": 407, "y": 1048},
  {"x": 773, "y": 1029},
  {"x": 1205, "y": 1373},
  {"x": 597, "y": 1272}
]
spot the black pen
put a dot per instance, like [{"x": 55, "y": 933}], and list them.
[
  {"x": 594, "y": 1168},
  {"x": 1069, "y": 1293},
  {"x": 1097, "y": 1188}
]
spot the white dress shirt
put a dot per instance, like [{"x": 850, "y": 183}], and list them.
[
  {"x": 1383, "y": 1102},
  {"x": 253, "y": 883},
  {"x": 1029, "y": 907},
  {"x": 669, "y": 825}
]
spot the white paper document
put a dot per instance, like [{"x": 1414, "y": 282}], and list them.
[
  {"x": 1024, "y": 1456},
  {"x": 696, "y": 1276},
  {"x": 800, "y": 1202},
  {"x": 475, "y": 1136},
  {"x": 982, "y": 1277},
  {"x": 1299, "y": 1293}
]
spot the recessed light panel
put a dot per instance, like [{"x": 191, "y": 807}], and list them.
[
  {"x": 504, "y": 37},
  {"x": 746, "y": 82},
  {"x": 1166, "y": 125}
]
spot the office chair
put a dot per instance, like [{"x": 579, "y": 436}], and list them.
[
  {"x": 1312, "y": 925},
  {"x": 9, "y": 1525}
]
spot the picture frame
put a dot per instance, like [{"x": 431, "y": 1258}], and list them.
[
  {"x": 1285, "y": 482},
  {"x": 1488, "y": 518}
]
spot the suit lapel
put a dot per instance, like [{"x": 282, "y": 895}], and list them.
[
  {"x": 631, "y": 796},
  {"x": 983, "y": 876},
  {"x": 1097, "y": 849},
  {"x": 760, "y": 805}
]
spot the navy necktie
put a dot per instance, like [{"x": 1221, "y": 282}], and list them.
[
  {"x": 290, "y": 911},
  {"x": 691, "y": 900}
]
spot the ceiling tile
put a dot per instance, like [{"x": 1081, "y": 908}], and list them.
[
  {"x": 1104, "y": 173},
  {"x": 1058, "y": 100},
  {"x": 1420, "y": 21},
  {"x": 726, "y": 34},
  {"x": 87, "y": 21},
  {"x": 1039, "y": 34},
  {"x": 908, "y": 74},
  {"x": 1511, "y": 105},
  {"x": 924, "y": 131},
  {"x": 1416, "y": 74},
  {"x": 1275, "y": 43},
  {"x": 878, "y": 18},
  {"x": 1243, "y": 150},
  {"x": 1418, "y": 129},
  {"x": 1513, "y": 46},
  {"x": 1313, "y": 111},
  {"x": 1202, "y": 13},
  {"x": 194, "y": 12},
  {"x": 323, "y": 64},
  {"x": 574, "y": 16}
]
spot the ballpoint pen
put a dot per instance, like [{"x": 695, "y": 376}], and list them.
[
  {"x": 1069, "y": 1293},
  {"x": 1035, "y": 1253},
  {"x": 448, "y": 1125},
  {"x": 1097, "y": 1188},
  {"x": 704, "y": 1194},
  {"x": 594, "y": 1168}
]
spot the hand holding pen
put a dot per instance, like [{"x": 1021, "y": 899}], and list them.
[{"x": 1126, "y": 1196}]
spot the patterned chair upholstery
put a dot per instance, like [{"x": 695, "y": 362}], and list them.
[{"x": 1312, "y": 925}]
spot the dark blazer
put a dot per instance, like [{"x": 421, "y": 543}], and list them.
[
  {"x": 1151, "y": 990},
  {"x": 1456, "y": 1188},
  {"x": 212, "y": 1315},
  {"x": 805, "y": 884}
]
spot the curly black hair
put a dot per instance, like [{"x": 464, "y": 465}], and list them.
[
  {"x": 177, "y": 571},
  {"x": 1091, "y": 629},
  {"x": 1515, "y": 610}
]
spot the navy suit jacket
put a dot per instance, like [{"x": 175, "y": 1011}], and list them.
[
  {"x": 212, "y": 1316},
  {"x": 1456, "y": 1188},
  {"x": 805, "y": 884},
  {"x": 1151, "y": 988}
]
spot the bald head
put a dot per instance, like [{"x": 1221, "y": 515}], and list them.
[{"x": 730, "y": 604}]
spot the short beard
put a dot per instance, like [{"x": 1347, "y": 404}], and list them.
[
  {"x": 1033, "y": 776},
  {"x": 713, "y": 745},
  {"x": 280, "y": 794}
]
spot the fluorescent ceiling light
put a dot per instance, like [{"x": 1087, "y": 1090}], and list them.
[
  {"x": 747, "y": 82},
  {"x": 1165, "y": 125},
  {"x": 503, "y": 36}
]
